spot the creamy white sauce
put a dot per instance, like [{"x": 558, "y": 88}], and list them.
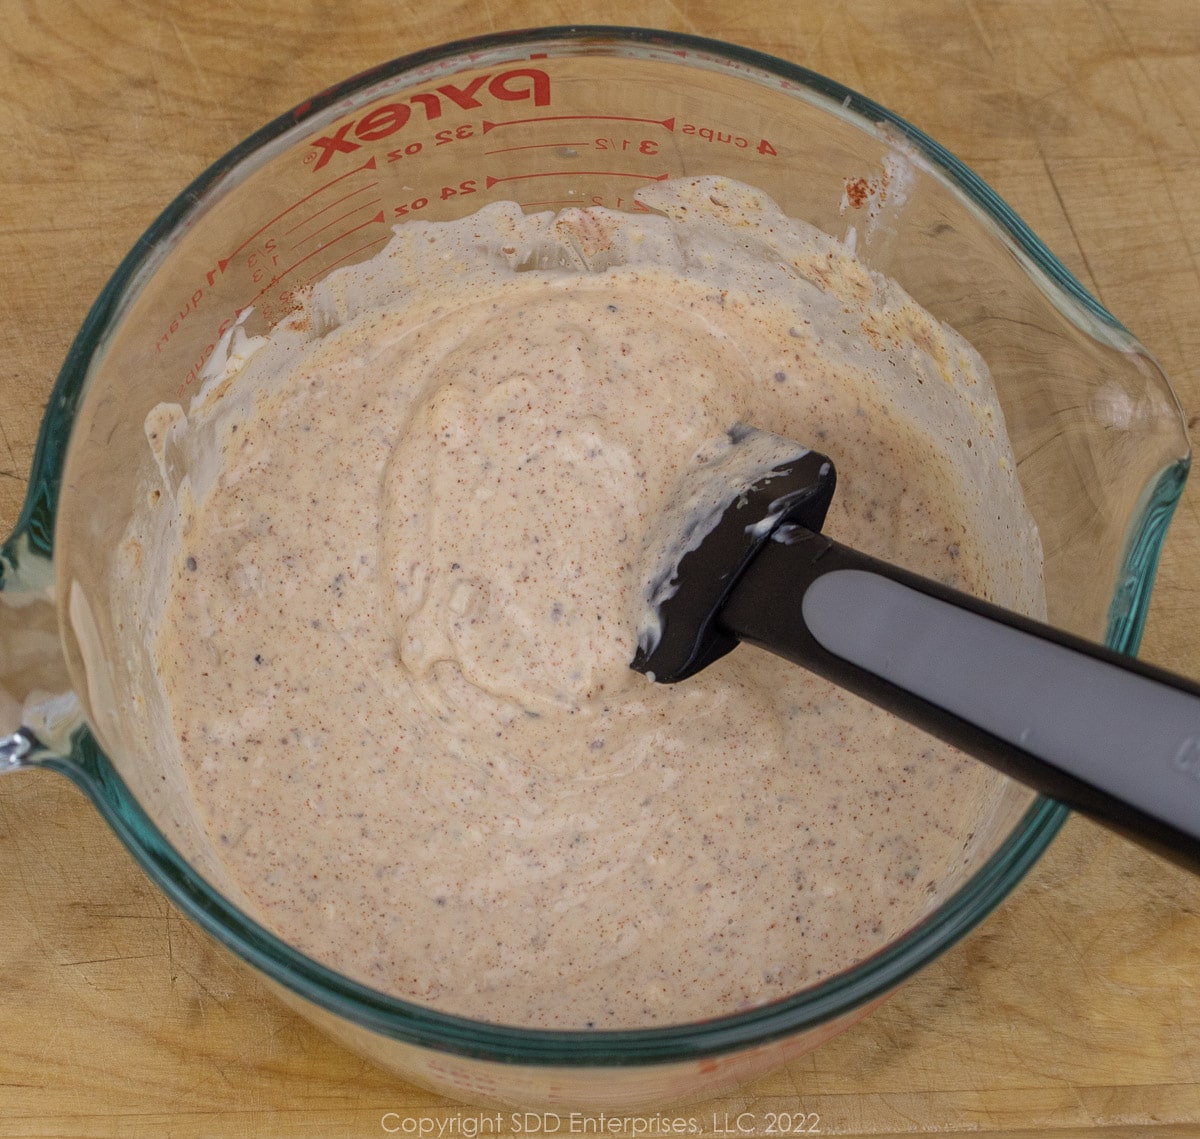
[{"x": 409, "y": 577}]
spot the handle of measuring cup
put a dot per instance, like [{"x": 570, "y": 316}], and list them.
[{"x": 36, "y": 697}]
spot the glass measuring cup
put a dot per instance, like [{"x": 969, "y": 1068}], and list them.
[{"x": 574, "y": 116}]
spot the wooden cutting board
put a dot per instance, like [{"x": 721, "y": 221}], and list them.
[{"x": 1075, "y": 1010}]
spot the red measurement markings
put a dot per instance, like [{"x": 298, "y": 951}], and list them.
[
  {"x": 379, "y": 217},
  {"x": 539, "y": 146},
  {"x": 552, "y": 202},
  {"x": 728, "y": 138},
  {"x": 488, "y": 125},
  {"x": 340, "y": 218},
  {"x": 346, "y": 257},
  {"x": 490, "y": 181},
  {"x": 368, "y": 165},
  {"x": 335, "y": 202},
  {"x": 646, "y": 146}
]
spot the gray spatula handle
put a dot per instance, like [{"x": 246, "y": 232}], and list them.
[{"x": 1102, "y": 732}]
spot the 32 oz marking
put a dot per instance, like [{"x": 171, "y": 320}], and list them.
[{"x": 441, "y": 138}]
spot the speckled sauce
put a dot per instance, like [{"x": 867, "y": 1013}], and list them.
[{"x": 396, "y": 629}]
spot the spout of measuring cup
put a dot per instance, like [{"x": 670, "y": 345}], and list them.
[{"x": 38, "y": 707}]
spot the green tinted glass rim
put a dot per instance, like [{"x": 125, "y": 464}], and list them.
[
  {"x": 1131, "y": 599},
  {"x": 389, "y": 1016}
]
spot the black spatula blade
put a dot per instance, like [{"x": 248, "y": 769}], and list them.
[{"x": 797, "y": 492}]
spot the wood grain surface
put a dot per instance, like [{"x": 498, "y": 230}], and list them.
[{"x": 1075, "y": 1010}]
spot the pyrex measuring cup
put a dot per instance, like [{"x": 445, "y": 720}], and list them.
[{"x": 549, "y": 118}]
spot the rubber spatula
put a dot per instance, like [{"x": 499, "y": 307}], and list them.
[{"x": 1101, "y": 732}]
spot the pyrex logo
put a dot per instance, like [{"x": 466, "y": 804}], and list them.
[{"x": 511, "y": 86}]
